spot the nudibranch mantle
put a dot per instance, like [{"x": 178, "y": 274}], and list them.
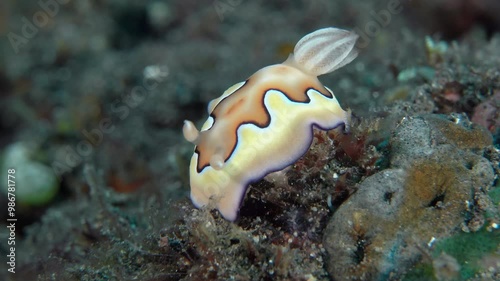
[{"x": 265, "y": 123}]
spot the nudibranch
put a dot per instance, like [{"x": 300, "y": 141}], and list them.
[{"x": 265, "y": 123}]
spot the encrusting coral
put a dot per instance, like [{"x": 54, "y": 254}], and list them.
[{"x": 427, "y": 194}]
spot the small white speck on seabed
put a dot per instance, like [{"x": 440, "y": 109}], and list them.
[{"x": 431, "y": 242}]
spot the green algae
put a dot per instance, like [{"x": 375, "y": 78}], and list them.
[
  {"x": 495, "y": 195},
  {"x": 468, "y": 249},
  {"x": 421, "y": 272}
]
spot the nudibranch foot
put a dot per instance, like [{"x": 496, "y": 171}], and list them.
[{"x": 265, "y": 123}]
